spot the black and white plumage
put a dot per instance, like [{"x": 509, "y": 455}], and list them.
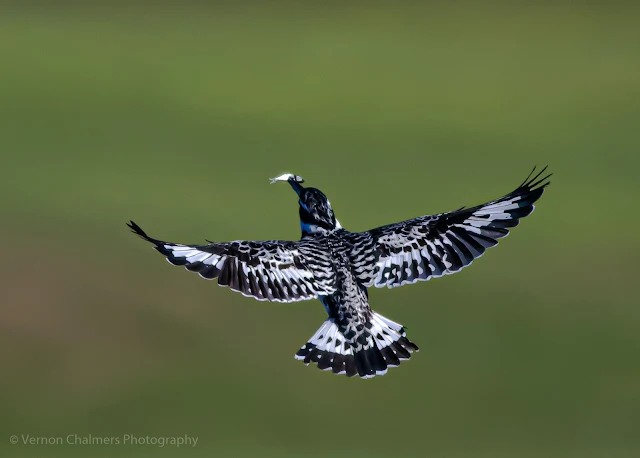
[{"x": 337, "y": 266}]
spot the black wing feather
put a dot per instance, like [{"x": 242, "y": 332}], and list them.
[
  {"x": 272, "y": 270},
  {"x": 431, "y": 246}
]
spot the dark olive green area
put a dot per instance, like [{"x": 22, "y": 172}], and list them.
[{"x": 176, "y": 117}]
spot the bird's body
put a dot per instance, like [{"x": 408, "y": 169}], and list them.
[
  {"x": 346, "y": 343},
  {"x": 337, "y": 266}
]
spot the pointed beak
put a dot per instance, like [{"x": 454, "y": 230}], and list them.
[
  {"x": 297, "y": 187},
  {"x": 293, "y": 180}
]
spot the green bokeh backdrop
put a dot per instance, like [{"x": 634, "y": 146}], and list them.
[{"x": 176, "y": 116}]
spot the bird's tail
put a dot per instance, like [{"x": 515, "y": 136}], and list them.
[{"x": 381, "y": 344}]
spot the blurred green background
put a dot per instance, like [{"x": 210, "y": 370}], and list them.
[{"x": 175, "y": 116}]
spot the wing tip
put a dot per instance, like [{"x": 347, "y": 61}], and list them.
[
  {"x": 534, "y": 183},
  {"x": 137, "y": 229},
  {"x": 141, "y": 233}
]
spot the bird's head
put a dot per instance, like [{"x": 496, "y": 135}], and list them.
[{"x": 316, "y": 214}]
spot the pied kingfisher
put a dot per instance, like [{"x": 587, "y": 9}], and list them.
[{"x": 337, "y": 266}]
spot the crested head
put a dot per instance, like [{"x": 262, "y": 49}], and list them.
[{"x": 316, "y": 214}]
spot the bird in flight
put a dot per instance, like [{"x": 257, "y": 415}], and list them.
[{"x": 337, "y": 267}]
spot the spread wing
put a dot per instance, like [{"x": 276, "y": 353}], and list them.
[
  {"x": 274, "y": 270},
  {"x": 431, "y": 246}
]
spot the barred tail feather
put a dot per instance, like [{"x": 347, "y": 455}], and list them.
[
  {"x": 391, "y": 340},
  {"x": 385, "y": 346},
  {"x": 330, "y": 350}
]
